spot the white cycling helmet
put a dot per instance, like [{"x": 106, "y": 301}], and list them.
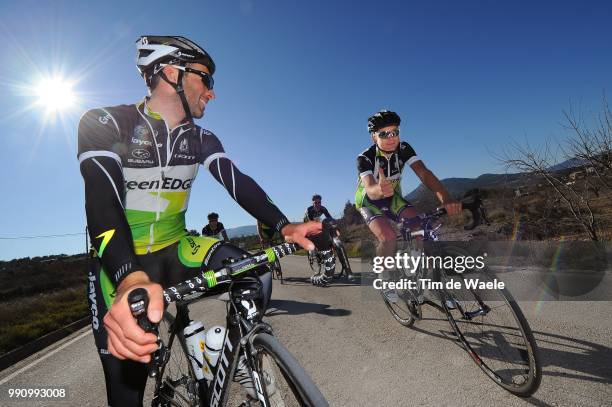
[{"x": 154, "y": 50}]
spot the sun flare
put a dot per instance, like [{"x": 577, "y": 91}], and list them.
[{"x": 55, "y": 94}]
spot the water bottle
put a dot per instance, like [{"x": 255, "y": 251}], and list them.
[
  {"x": 214, "y": 344},
  {"x": 195, "y": 340}
]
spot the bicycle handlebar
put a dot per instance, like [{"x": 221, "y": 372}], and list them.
[
  {"x": 473, "y": 207},
  {"x": 138, "y": 299},
  {"x": 232, "y": 270}
]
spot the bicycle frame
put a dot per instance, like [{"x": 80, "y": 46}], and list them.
[
  {"x": 428, "y": 233},
  {"x": 239, "y": 329}
]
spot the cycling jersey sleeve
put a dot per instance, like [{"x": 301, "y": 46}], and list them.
[
  {"x": 220, "y": 228},
  {"x": 307, "y": 215},
  {"x": 98, "y": 143},
  {"x": 326, "y": 213},
  {"x": 407, "y": 153},
  {"x": 242, "y": 188},
  {"x": 365, "y": 165}
]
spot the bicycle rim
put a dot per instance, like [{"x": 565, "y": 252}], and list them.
[
  {"x": 279, "y": 271},
  {"x": 315, "y": 264},
  {"x": 283, "y": 381},
  {"x": 178, "y": 385},
  {"x": 404, "y": 310},
  {"x": 495, "y": 333}
]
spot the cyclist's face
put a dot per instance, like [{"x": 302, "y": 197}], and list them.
[
  {"x": 197, "y": 94},
  {"x": 213, "y": 223},
  {"x": 386, "y": 144}
]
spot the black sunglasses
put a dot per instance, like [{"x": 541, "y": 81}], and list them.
[
  {"x": 388, "y": 134},
  {"x": 208, "y": 80}
]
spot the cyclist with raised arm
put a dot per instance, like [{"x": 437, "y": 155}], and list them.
[
  {"x": 215, "y": 228},
  {"x": 138, "y": 162},
  {"x": 379, "y": 195}
]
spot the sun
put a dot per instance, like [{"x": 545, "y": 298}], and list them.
[{"x": 55, "y": 94}]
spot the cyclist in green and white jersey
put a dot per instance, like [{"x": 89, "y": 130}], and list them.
[
  {"x": 139, "y": 162},
  {"x": 379, "y": 195}
]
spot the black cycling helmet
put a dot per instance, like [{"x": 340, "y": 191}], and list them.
[
  {"x": 382, "y": 119},
  {"x": 316, "y": 196},
  {"x": 153, "y": 50},
  {"x": 213, "y": 216}
]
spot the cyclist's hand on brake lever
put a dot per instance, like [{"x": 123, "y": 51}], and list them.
[
  {"x": 126, "y": 340},
  {"x": 297, "y": 232},
  {"x": 386, "y": 186}
]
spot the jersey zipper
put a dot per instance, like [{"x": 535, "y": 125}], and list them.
[{"x": 161, "y": 170}]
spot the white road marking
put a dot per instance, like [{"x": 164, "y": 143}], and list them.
[{"x": 37, "y": 361}]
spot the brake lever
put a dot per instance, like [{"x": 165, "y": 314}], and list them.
[{"x": 138, "y": 300}]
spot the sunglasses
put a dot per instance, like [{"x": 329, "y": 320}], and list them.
[
  {"x": 388, "y": 134},
  {"x": 207, "y": 79}
]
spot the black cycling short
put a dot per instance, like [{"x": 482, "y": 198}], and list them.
[{"x": 126, "y": 380}]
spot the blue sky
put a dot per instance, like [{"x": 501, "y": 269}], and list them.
[{"x": 295, "y": 84}]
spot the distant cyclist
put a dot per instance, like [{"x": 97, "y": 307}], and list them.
[
  {"x": 139, "y": 162},
  {"x": 267, "y": 238},
  {"x": 316, "y": 212},
  {"x": 215, "y": 228},
  {"x": 266, "y": 235},
  {"x": 379, "y": 195}
]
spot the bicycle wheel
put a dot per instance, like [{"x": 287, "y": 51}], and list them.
[
  {"x": 278, "y": 271},
  {"x": 283, "y": 381},
  {"x": 492, "y": 328},
  {"x": 314, "y": 262},
  {"x": 407, "y": 308},
  {"x": 402, "y": 309},
  {"x": 177, "y": 384}
]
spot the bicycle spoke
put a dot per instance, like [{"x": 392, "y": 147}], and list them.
[{"x": 495, "y": 336}]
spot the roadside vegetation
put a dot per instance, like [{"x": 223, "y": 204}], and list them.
[{"x": 39, "y": 295}]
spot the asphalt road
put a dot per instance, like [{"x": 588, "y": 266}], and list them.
[{"x": 359, "y": 356}]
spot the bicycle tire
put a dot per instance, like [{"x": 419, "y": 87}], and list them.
[
  {"x": 407, "y": 309},
  {"x": 401, "y": 309},
  {"x": 278, "y": 271},
  {"x": 314, "y": 263},
  {"x": 512, "y": 376},
  {"x": 273, "y": 363},
  {"x": 177, "y": 384}
]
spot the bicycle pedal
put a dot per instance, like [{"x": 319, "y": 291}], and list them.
[
  {"x": 451, "y": 304},
  {"x": 479, "y": 312}
]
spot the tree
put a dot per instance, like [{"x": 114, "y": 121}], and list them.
[
  {"x": 591, "y": 146},
  {"x": 350, "y": 214}
]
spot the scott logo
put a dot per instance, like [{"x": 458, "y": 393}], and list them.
[
  {"x": 104, "y": 119},
  {"x": 222, "y": 371},
  {"x": 194, "y": 246}
]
